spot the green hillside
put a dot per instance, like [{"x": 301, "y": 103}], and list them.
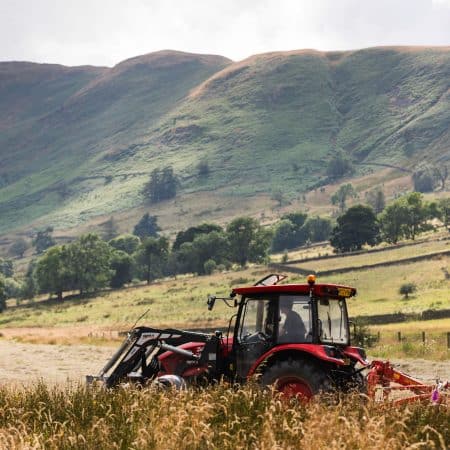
[
  {"x": 95, "y": 126},
  {"x": 269, "y": 123}
]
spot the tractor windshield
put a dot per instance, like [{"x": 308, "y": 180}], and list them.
[{"x": 333, "y": 321}]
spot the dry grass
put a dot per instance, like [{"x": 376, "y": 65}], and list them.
[
  {"x": 411, "y": 344},
  {"x": 217, "y": 418}
]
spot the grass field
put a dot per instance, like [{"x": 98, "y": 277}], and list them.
[
  {"x": 181, "y": 302},
  {"x": 411, "y": 344},
  {"x": 219, "y": 417},
  {"x": 375, "y": 257}
]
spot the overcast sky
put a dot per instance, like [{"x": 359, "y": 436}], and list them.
[{"x": 105, "y": 32}]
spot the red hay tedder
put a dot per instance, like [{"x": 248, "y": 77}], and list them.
[{"x": 295, "y": 337}]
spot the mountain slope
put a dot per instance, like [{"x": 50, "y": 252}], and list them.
[
  {"x": 268, "y": 123},
  {"x": 97, "y": 121}
]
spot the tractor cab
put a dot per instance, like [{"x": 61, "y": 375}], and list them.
[{"x": 271, "y": 318}]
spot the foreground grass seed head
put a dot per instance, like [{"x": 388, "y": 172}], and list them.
[{"x": 219, "y": 417}]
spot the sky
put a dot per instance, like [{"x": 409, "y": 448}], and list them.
[{"x": 105, "y": 32}]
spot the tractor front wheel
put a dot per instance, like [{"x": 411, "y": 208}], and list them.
[{"x": 296, "y": 378}]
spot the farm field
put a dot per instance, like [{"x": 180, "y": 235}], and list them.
[
  {"x": 180, "y": 302},
  {"x": 405, "y": 252},
  {"x": 48, "y": 347}
]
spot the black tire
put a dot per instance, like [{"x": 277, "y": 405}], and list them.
[{"x": 296, "y": 378}]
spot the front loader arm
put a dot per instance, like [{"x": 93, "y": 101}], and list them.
[{"x": 137, "y": 357}]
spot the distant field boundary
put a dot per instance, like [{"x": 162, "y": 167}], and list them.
[
  {"x": 362, "y": 252},
  {"x": 306, "y": 271},
  {"x": 378, "y": 319},
  {"x": 381, "y": 319}
]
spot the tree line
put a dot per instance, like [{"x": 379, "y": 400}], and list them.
[
  {"x": 90, "y": 262},
  {"x": 403, "y": 218}
]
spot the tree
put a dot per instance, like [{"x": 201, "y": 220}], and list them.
[
  {"x": 18, "y": 247},
  {"x": 147, "y": 227},
  {"x": 298, "y": 219},
  {"x": 192, "y": 256},
  {"x": 191, "y": 233},
  {"x": 53, "y": 271},
  {"x": 290, "y": 232},
  {"x": 2, "y": 295},
  {"x": 151, "y": 257},
  {"x": 341, "y": 196},
  {"x": 284, "y": 236},
  {"x": 392, "y": 221},
  {"x": 89, "y": 260},
  {"x": 43, "y": 240},
  {"x": 376, "y": 199},
  {"x": 278, "y": 196},
  {"x": 184, "y": 259},
  {"x": 127, "y": 243},
  {"x": 6, "y": 267},
  {"x": 419, "y": 213},
  {"x": 30, "y": 285},
  {"x": 317, "y": 229},
  {"x": 355, "y": 228},
  {"x": 110, "y": 229},
  {"x": 248, "y": 241},
  {"x": 203, "y": 169},
  {"x": 121, "y": 264},
  {"x": 161, "y": 186},
  {"x": 209, "y": 267},
  {"x": 212, "y": 246},
  {"x": 444, "y": 212},
  {"x": 13, "y": 288},
  {"x": 423, "y": 179},
  {"x": 407, "y": 217},
  {"x": 339, "y": 165},
  {"x": 441, "y": 173},
  {"x": 407, "y": 289}
]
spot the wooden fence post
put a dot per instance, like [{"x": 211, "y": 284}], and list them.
[
  {"x": 423, "y": 337},
  {"x": 399, "y": 335},
  {"x": 448, "y": 340}
]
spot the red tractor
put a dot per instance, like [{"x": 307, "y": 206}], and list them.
[{"x": 293, "y": 336}]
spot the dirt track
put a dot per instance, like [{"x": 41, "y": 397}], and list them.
[{"x": 25, "y": 363}]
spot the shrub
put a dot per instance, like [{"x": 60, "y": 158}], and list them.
[
  {"x": 407, "y": 289},
  {"x": 209, "y": 266}
]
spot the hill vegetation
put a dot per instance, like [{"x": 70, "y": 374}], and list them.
[{"x": 78, "y": 143}]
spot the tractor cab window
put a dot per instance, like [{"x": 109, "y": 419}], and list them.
[
  {"x": 256, "y": 322},
  {"x": 332, "y": 321},
  {"x": 295, "y": 319}
]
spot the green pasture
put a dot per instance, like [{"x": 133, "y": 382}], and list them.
[
  {"x": 408, "y": 251},
  {"x": 181, "y": 301}
]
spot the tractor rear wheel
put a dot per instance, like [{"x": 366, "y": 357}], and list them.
[{"x": 296, "y": 378}]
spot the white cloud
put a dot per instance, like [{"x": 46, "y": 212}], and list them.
[{"x": 104, "y": 32}]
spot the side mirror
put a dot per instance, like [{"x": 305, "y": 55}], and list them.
[{"x": 210, "y": 302}]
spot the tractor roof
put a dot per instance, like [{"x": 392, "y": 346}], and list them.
[{"x": 320, "y": 290}]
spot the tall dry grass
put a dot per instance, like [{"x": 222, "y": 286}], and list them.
[{"x": 77, "y": 417}]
